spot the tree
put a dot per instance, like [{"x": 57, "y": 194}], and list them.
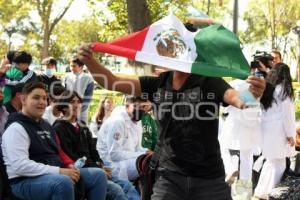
[
  {"x": 44, "y": 8},
  {"x": 216, "y": 9},
  {"x": 11, "y": 26},
  {"x": 70, "y": 34},
  {"x": 270, "y": 20},
  {"x": 138, "y": 15},
  {"x": 133, "y": 15}
]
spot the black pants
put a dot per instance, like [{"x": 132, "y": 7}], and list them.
[{"x": 174, "y": 186}]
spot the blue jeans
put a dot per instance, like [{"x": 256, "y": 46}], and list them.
[
  {"x": 60, "y": 187},
  {"x": 120, "y": 189}
]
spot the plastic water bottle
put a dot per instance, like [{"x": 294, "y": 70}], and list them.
[
  {"x": 247, "y": 97},
  {"x": 80, "y": 162}
]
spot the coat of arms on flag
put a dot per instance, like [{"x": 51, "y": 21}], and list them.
[{"x": 170, "y": 44}]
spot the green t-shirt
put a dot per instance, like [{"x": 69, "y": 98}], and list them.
[{"x": 149, "y": 137}]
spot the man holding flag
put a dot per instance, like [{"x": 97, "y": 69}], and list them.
[{"x": 186, "y": 100}]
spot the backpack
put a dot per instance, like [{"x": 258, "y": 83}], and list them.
[{"x": 146, "y": 173}]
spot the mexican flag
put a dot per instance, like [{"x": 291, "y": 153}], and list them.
[{"x": 211, "y": 51}]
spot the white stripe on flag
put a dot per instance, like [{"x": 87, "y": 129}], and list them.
[{"x": 170, "y": 63}]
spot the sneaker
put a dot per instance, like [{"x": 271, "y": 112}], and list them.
[{"x": 244, "y": 189}]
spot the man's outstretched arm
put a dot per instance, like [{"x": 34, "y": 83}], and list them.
[
  {"x": 257, "y": 87},
  {"x": 105, "y": 77}
]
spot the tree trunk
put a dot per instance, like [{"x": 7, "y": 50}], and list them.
[
  {"x": 138, "y": 15},
  {"x": 273, "y": 37},
  {"x": 298, "y": 65},
  {"x": 138, "y": 18},
  {"x": 44, "y": 9},
  {"x": 208, "y": 7},
  {"x": 235, "y": 16},
  {"x": 46, "y": 40}
]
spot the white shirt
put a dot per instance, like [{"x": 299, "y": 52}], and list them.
[
  {"x": 78, "y": 83},
  {"x": 119, "y": 138},
  {"x": 241, "y": 129},
  {"x": 48, "y": 115},
  {"x": 15, "y": 145}
]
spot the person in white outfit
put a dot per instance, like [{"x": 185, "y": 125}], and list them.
[
  {"x": 277, "y": 127},
  {"x": 119, "y": 139},
  {"x": 241, "y": 131},
  {"x": 52, "y": 113}
]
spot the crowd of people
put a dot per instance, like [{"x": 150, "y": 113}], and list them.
[
  {"x": 45, "y": 121},
  {"x": 45, "y": 132}
]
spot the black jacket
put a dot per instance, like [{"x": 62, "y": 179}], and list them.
[
  {"x": 76, "y": 143},
  {"x": 49, "y": 81}
]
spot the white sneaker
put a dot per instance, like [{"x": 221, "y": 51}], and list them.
[{"x": 243, "y": 190}]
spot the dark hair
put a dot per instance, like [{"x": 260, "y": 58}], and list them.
[
  {"x": 65, "y": 98},
  {"x": 22, "y": 57},
  {"x": 133, "y": 99},
  {"x": 10, "y": 56},
  {"x": 190, "y": 27},
  {"x": 278, "y": 53},
  {"x": 17, "y": 89},
  {"x": 280, "y": 74},
  {"x": 29, "y": 87},
  {"x": 49, "y": 61},
  {"x": 77, "y": 61},
  {"x": 56, "y": 91}
]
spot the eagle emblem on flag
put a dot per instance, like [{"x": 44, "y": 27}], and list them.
[{"x": 170, "y": 43}]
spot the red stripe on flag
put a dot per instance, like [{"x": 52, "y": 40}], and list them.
[
  {"x": 126, "y": 46},
  {"x": 115, "y": 50}
]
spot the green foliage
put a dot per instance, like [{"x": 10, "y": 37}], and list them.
[
  {"x": 13, "y": 14},
  {"x": 112, "y": 16},
  {"x": 270, "y": 20},
  {"x": 100, "y": 94},
  {"x": 70, "y": 34},
  {"x": 13, "y": 10},
  {"x": 296, "y": 86},
  {"x": 217, "y": 9},
  {"x": 160, "y": 8},
  {"x": 116, "y": 23}
]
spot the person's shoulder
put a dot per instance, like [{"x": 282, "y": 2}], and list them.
[
  {"x": 59, "y": 123},
  {"x": 33, "y": 73},
  {"x": 161, "y": 76},
  {"x": 116, "y": 120},
  {"x": 41, "y": 77},
  {"x": 69, "y": 75},
  {"x": 214, "y": 81},
  {"x": 45, "y": 124},
  {"x": 86, "y": 76},
  {"x": 15, "y": 128}
]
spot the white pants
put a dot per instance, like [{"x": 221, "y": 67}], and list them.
[
  {"x": 230, "y": 162},
  {"x": 270, "y": 176},
  {"x": 126, "y": 169},
  {"x": 246, "y": 163}
]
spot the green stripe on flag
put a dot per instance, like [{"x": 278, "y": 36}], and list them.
[{"x": 219, "y": 54}]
